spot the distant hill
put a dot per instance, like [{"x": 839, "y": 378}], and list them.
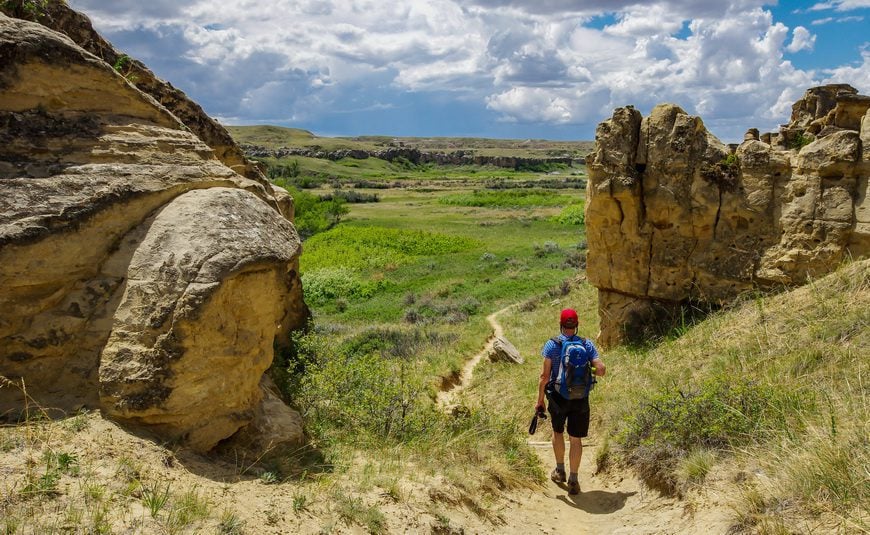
[{"x": 274, "y": 137}]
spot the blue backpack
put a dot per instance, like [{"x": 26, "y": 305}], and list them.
[{"x": 575, "y": 378}]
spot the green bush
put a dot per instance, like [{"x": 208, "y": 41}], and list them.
[
  {"x": 375, "y": 247},
  {"x": 514, "y": 198},
  {"x": 29, "y": 9},
  {"x": 364, "y": 395},
  {"x": 396, "y": 343},
  {"x": 313, "y": 214},
  {"x": 322, "y": 286},
  {"x": 573, "y": 214},
  {"x": 352, "y": 197},
  {"x": 719, "y": 414}
]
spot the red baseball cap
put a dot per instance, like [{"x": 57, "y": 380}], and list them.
[{"x": 568, "y": 318}]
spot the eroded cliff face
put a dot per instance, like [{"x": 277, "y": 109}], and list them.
[
  {"x": 139, "y": 274},
  {"x": 676, "y": 218},
  {"x": 58, "y": 16}
]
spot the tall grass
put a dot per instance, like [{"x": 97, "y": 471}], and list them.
[
  {"x": 772, "y": 391},
  {"x": 805, "y": 353}
]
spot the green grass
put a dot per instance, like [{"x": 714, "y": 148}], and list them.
[
  {"x": 508, "y": 198},
  {"x": 774, "y": 386},
  {"x": 400, "y": 290},
  {"x": 315, "y": 172},
  {"x": 361, "y": 247}
]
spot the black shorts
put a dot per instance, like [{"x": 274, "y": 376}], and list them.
[{"x": 575, "y": 411}]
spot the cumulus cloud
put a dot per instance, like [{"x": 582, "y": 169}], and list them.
[
  {"x": 801, "y": 39},
  {"x": 525, "y": 62},
  {"x": 856, "y": 75}
]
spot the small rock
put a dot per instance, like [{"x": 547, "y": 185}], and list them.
[{"x": 504, "y": 351}]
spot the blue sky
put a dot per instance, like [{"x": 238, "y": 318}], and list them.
[{"x": 548, "y": 69}]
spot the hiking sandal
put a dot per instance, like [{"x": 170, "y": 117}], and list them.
[{"x": 558, "y": 476}]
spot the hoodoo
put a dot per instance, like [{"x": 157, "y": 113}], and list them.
[{"x": 676, "y": 218}]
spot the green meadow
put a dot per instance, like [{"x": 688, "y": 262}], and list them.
[
  {"x": 422, "y": 260},
  {"x": 400, "y": 289}
]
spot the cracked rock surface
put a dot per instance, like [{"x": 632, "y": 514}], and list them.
[
  {"x": 139, "y": 273},
  {"x": 675, "y": 217}
]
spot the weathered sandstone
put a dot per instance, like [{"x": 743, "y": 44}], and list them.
[
  {"x": 59, "y": 17},
  {"x": 675, "y": 219},
  {"x": 139, "y": 274}
]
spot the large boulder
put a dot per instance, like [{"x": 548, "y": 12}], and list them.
[
  {"x": 676, "y": 220},
  {"x": 139, "y": 274},
  {"x": 59, "y": 17}
]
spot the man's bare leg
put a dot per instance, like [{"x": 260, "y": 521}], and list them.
[
  {"x": 574, "y": 457},
  {"x": 558, "y": 474}
]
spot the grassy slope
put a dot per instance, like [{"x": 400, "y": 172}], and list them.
[
  {"x": 275, "y": 136},
  {"x": 809, "y": 346}
]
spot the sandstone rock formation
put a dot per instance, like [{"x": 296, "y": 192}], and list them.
[
  {"x": 139, "y": 274},
  {"x": 408, "y": 154},
  {"x": 676, "y": 219},
  {"x": 59, "y": 17}
]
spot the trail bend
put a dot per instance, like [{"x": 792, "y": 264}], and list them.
[{"x": 447, "y": 397}]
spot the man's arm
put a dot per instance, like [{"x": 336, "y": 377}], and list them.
[
  {"x": 600, "y": 368},
  {"x": 542, "y": 383}
]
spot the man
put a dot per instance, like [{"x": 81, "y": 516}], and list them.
[{"x": 573, "y": 411}]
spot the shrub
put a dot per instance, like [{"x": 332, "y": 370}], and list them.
[
  {"x": 507, "y": 198},
  {"x": 362, "y": 394},
  {"x": 352, "y": 197},
  {"x": 573, "y": 214},
  {"x": 395, "y": 343},
  {"x": 314, "y": 215},
  {"x": 452, "y": 311},
  {"x": 326, "y": 285},
  {"x": 717, "y": 415},
  {"x": 800, "y": 141},
  {"x": 356, "y": 247},
  {"x": 547, "y": 249},
  {"x": 29, "y": 9},
  {"x": 290, "y": 170}
]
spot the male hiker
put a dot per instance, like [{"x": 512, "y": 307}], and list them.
[{"x": 570, "y": 364}]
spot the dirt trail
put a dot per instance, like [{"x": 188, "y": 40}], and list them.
[
  {"x": 611, "y": 504},
  {"x": 447, "y": 397}
]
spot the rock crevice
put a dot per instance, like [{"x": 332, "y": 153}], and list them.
[
  {"x": 139, "y": 273},
  {"x": 675, "y": 218}
]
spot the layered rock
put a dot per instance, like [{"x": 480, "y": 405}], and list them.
[
  {"x": 408, "y": 154},
  {"x": 139, "y": 274},
  {"x": 675, "y": 218},
  {"x": 59, "y": 17}
]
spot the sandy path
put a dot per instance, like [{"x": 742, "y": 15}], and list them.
[
  {"x": 607, "y": 504},
  {"x": 447, "y": 398}
]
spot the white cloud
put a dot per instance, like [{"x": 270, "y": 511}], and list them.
[
  {"x": 858, "y": 76},
  {"x": 529, "y": 62},
  {"x": 840, "y": 5},
  {"x": 838, "y": 20},
  {"x": 646, "y": 21},
  {"x": 801, "y": 39}
]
